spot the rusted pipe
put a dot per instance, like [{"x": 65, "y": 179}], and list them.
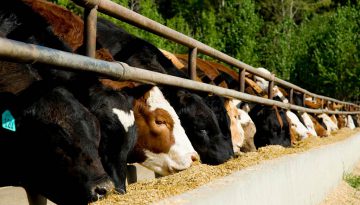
[
  {"x": 192, "y": 63},
  {"x": 271, "y": 87},
  {"x": 242, "y": 80},
  {"x": 112, "y": 9},
  {"x": 291, "y": 97},
  {"x": 90, "y": 20},
  {"x": 28, "y": 53}
]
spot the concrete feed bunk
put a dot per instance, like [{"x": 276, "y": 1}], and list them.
[
  {"x": 303, "y": 178},
  {"x": 302, "y": 174}
]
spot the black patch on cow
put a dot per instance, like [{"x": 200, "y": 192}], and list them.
[{"x": 268, "y": 128}]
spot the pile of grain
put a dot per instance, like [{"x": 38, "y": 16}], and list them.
[{"x": 153, "y": 190}]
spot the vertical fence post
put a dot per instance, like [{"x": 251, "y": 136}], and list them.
[
  {"x": 291, "y": 96},
  {"x": 192, "y": 63},
  {"x": 242, "y": 80},
  {"x": 90, "y": 20},
  {"x": 271, "y": 86},
  {"x": 303, "y": 98}
]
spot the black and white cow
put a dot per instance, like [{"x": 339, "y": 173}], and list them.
[
  {"x": 52, "y": 147},
  {"x": 199, "y": 121}
]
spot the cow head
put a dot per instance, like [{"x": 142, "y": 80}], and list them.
[
  {"x": 60, "y": 140},
  {"x": 271, "y": 125},
  {"x": 297, "y": 129},
  {"x": 350, "y": 122},
  {"x": 162, "y": 145},
  {"x": 264, "y": 84},
  {"x": 237, "y": 132},
  {"x": 320, "y": 127},
  {"x": 342, "y": 121},
  {"x": 202, "y": 127},
  {"x": 249, "y": 131},
  {"x": 309, "y": 124},
  {"x": 330, "y": 125}
]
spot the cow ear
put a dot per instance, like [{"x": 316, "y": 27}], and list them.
[{"x": 184, "y": 97}]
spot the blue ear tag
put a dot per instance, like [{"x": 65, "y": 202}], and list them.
[{"x": 8, "y": 121}]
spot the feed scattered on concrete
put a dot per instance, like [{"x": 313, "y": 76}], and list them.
[{"x": 149, "y": 191}]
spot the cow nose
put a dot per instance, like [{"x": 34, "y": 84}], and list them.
[
  {"x": 99, "y": 190},
  {"x": 195, "y": 157}
]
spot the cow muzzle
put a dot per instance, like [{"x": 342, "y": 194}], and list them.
[{"x": 100, "y": 190}]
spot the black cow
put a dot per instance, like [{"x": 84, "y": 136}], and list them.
[
  {"x": 198, "y": 120},
  {"x": 52, "y": 149},
  {"x": 271, "y": 125},
  {"x": 19, "y": 22}
]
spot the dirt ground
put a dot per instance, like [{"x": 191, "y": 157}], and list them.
[{"x": 344, "y": 194}]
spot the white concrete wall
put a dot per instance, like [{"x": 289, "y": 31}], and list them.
[{"x": 303, "y": 179}]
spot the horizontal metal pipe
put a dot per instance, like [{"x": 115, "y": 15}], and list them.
[
  {"x": 113, "y": 9},
  {"x": 29, "y": 53}
]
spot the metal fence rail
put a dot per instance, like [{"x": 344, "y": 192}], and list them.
[
  {"x": 29, "y": 53},
  {"x": 117, "y": 11}
]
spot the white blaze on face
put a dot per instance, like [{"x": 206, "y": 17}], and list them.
[
  {"x": 126, "y": 119},
  {"x": 278, "y": 93},
  {"x": 330, "y": 125},
  {"x": 350, "y": 122},
  {"x": 181, "y": 153},
  {"x": 309, "y": 124},
  {"x": 264, "y": 84},
  {"x": 295, "y": 123},
  {"x": 237, "y": 131}
]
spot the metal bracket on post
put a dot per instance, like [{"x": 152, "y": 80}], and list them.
[
  {"x": 271, "y": 86},
  {"x": 192, "y": 63},
  {"x": 242, "y": 80}
]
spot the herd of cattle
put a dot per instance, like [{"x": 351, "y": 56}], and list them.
[{"x": 73, "y": 133}]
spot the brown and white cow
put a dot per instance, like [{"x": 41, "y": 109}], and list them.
[
  {"x": 321, "y": 131},
  {"x": 165, "y": 147},
  {"x": 330, "y": 125}
]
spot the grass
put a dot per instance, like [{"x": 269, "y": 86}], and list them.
[{"x": 353, "y": 180}]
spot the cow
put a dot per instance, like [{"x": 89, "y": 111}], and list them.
[
  {"x": 51, "y": 146},
  {"x": 341, "y": 121},
  {"x": 223, "y": 76},
  {"x": 330, "y": 125},
  {"x": 319, "y": 126},
  {"x": 309, "y": 124},
  {"x": 204, "y": 127},
  {"x": 271, "y": 125},
  {"x": 356, "y": 120},
  {"x": 298, "y": 128},
  {"x": 162, "y": 144},
  {"x": 350, "y": 122},
  {"x": 139, "y": 53}
]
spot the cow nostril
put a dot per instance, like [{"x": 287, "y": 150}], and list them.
[
  {"x": 195, "y": 157},
  {"x": 101, "y": 189}
]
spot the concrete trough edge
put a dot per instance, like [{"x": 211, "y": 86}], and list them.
[{"x": 301, "y": 178}]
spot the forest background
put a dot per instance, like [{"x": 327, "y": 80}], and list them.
[{"x": 314, "y": 44}]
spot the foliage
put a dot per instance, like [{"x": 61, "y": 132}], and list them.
[
  {"x": 312, "y": 43},
  {"x": 353, "y": 180}
]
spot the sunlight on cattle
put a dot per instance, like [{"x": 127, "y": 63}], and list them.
[
  {"x": 309, "y": 124},
  {"x": 301, "y": 131},
  {"x": 181, "y": 153}
]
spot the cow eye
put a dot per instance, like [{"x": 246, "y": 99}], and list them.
[{"x": 159, "y": 122}]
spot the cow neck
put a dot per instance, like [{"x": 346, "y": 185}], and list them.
[{"x": 278, "y": 117}]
